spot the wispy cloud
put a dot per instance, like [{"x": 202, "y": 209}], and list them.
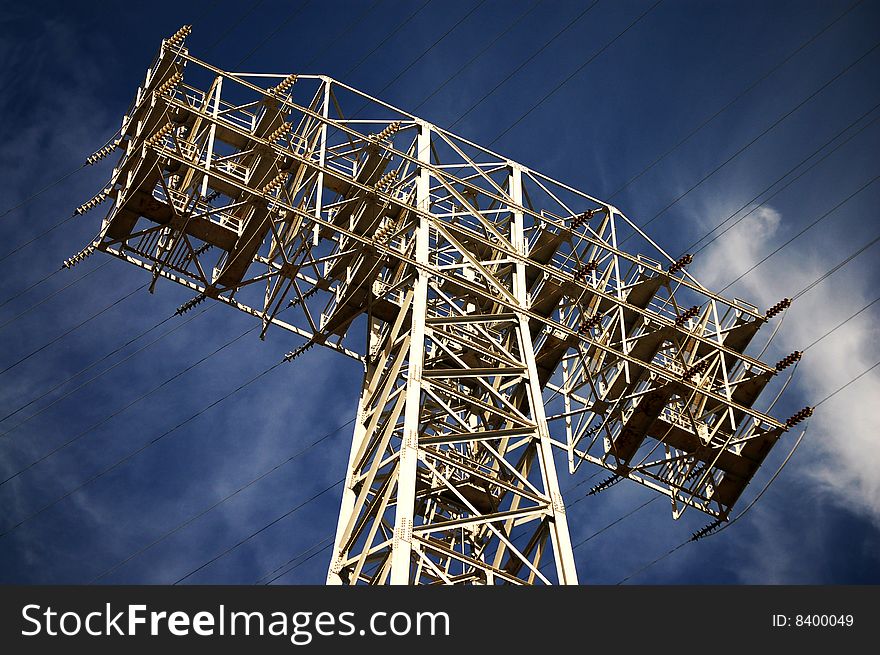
[{"x": 844, "y": 459}]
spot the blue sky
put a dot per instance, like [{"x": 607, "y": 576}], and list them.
[{"x": 67, "y": 75}]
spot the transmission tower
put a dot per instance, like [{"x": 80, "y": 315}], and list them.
[{"x": 498, "y": 319}]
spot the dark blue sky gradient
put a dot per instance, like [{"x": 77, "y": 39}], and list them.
[{"x": 67, "y": 74}]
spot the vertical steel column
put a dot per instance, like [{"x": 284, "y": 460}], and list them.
[
  {"x": 561, "y": 541},
  {"x": 401, "y": 552}
]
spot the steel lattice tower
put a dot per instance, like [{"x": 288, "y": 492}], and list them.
[{"x": 497, "y": 316}]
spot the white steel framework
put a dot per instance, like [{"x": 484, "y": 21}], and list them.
[{"x": 494, "y": 310}]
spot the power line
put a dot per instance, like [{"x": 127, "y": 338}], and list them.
[
  {"x": 853, "y": 381},
  {"x": 101, "y": 374},
  {"x": 615, "y": 522},
  {"x": 263, "y": 529},
  {"x": 43, "y": 190},
  {"x": 568, "y": 26},
  {"x": 691, "y": 248},
  {"x": 142, "y": 448},
  {"x": 200, "y": 514},
  {"x": 386, "y": 39},
  {"x": 35, "y": 284},
  {"x": 803, "y": 231},
  {"x": 83, "y": 370},
  {"x": 235, "y": 24},
  {"x": 298, "y": 10},
  {"x": 53, "y": 294},
  {"x": 766, "y": 131},
  {"x": 607, "y": 527},
  {"x": 742, "y": 93},
  {"x": 836, "y": 268},
  {"x": 577, "y": 70},
  {"x": 479, "y": 54},
  {"x": 328, "y": 541},
  {"x": 24, "y": 245},
  {"x": 657, "y": 560},
  {"x": 414, "y": 61},
  {"x": 104, "y": 420},
  {"x": 842, "y": 323},
  {"x": 345, "y": 31},
  {"x": 433, "y": 45},
  {"x": 71, "y": 330}
]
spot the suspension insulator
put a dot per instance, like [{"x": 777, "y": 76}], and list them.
[
  {"x": 85, "y": 253},
  {"x": 697, "y": 369},
  {"x": 179, "y": 36},
  {"x": 594, "y": 321},
  {"x": 580, "y": 219},
  {"x": 386, "y": 181},
  {"x": 779, "y": 307},
  {"x": 800, "y": 415},
  {"x": 91, "y": 204},
  {"x": 308, "y": 294},
  {"x": 169, "y": 84},
  {"x": 285, "y": 84},
  {"x": 696, "y": 472},
  {"x": 293, "y": 354},
  {"x": 276, "y": 183},
  {"x": 581, "y": 273},
  {"x": 384, "y": 233},
  {"x": 680, "y": 264},
  {"x": 706, "y": 530},
  {"x": 189, "y": 304},
  {"x": 788, "y": 360},
  {"x": 392, "y": 129},
  {"x": 160, "y": 134},
  {"x": 97, "y": 156},
  {"x": 202, "y": 249},
  {"x": 280, "y": 131},
  {"x": 687, "y": 315},
  {"x": 605, "y": 484}
]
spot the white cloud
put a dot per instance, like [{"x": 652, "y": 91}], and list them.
[{"x": 843, "y": 457}]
